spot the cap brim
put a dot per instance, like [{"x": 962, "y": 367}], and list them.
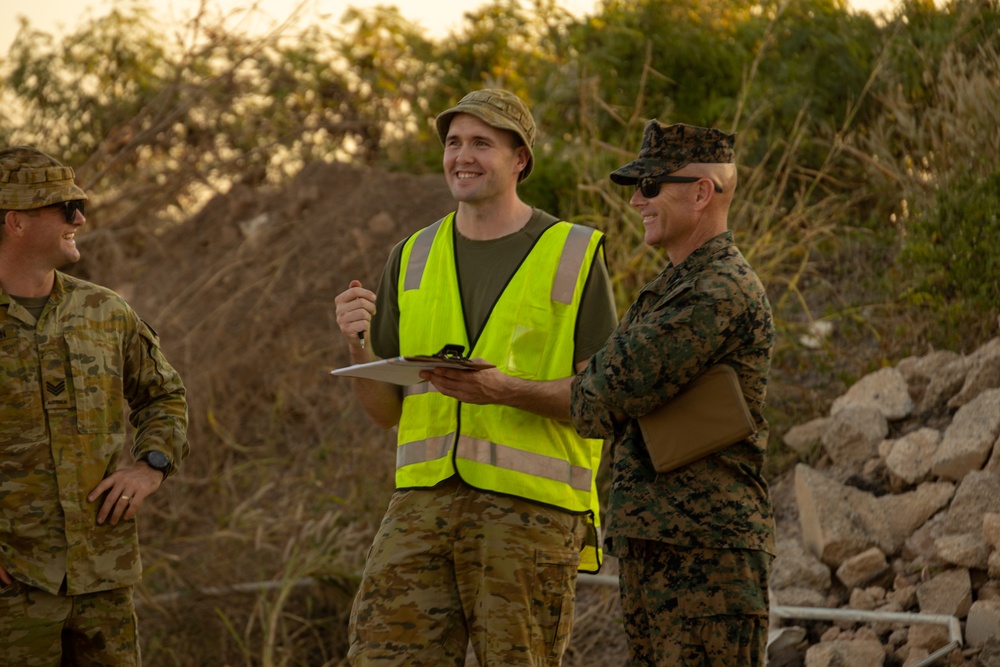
[
  {"x": 25, "y": 197},
  {"x": 442, "y": 122},
  {"x": 623, "y": 176},
  {"x": 631, "y": 173},
  {"x": 483, "y": 112}
]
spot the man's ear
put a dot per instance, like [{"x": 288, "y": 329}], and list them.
[
  {"x": 706, "y": 190},
  {"x": 522, "y": 157},
  {"x": 14, "y": 222}
]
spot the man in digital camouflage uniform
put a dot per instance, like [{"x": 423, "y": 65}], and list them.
[
  {"x": 496, "y": 506},
  {"x": 73, "y": 357},
  {"x": 695, "y": 544}
]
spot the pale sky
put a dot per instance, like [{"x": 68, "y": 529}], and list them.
[{"x": 438, "y": 17}]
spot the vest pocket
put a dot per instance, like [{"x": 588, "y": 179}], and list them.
[{"x": 95, "y": 360}]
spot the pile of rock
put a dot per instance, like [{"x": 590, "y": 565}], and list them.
[{"x": 900, "y": 515}]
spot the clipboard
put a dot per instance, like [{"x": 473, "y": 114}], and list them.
[
  {"x": 406, "y": 370},
  {"x": 708, "y": 415}
]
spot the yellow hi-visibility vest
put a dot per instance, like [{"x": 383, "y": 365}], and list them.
[{"x": 528, "y": 334}]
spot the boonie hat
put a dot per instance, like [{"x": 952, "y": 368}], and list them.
[
  {"x": 31, "y": 179},
  {"x": 497, "y": 108},
  {"x": 667, "y": 148}
]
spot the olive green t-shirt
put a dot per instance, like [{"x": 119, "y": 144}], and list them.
[
  {"x": 33, "y": 304},
  {"x": 484, "y": 269}
]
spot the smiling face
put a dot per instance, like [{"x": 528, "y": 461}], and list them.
[
  {"x": 49, "y": 238},
  {"x": 668, "y": 217},
  {"x": 685, "y": 213},
  {"x": 481, "y": 162}
]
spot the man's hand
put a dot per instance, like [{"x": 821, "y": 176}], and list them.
[
  {"x": 355, "y": 307},
  {"x": 485, "y": 387},
  {"x": 126, "y": 489},
  {"x": 492, "y": 386}
]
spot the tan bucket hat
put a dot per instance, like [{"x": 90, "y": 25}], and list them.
[
  {"x": 497, "y": 108},
  {"x": 31, "y": 179}
]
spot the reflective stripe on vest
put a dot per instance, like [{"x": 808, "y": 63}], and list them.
[
  {"x": 424, "y": 450},
  {"x": 509, "y": 458},
  {"x": 573, "y": 254},
  {"x": 418, "y": 256},
  {"x": 531, "y": 463}
]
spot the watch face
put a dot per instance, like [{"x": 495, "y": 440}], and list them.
[{"x": 157, "y": 460}]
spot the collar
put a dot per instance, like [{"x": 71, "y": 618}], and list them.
[{"x": 693, "y": 263}]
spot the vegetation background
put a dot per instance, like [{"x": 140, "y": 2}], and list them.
[{"x": 239, "y": 182}]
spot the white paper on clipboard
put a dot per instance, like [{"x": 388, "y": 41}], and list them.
[{"x": 406, "y": 370}]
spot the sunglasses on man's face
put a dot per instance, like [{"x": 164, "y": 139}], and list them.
[
  {"x": 69, "y": 209},
  {"x": 650, "y": 186}
]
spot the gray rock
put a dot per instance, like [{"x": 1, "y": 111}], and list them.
[
  {"x": 969, "y": 440},
  {"x": 884, "y": 390},
  {"x": 854, "y": 435}
]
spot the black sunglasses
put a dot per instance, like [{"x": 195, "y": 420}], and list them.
[
  {"x": 650, "y": 187},
  {"x": 69, "y": 209}
]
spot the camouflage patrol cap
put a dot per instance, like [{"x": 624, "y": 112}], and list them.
[
  {"x": 667, "y": 148},
  {"x": 497, "y": 108},
  {"x": 31, "y": 179}
]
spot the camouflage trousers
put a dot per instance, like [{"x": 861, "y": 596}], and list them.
[
  {"x": 450, "y": 565},
  {"x": 38, "y": 629},
  {"x": 685, "y": 607}
]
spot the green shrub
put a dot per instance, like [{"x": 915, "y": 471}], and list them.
[{"x": 952, "y": 249}]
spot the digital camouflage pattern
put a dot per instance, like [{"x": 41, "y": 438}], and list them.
[
  {"x": 686, "y": 607},
  {"x": 65, "y": 381},
  {"x": 450, "y": 564},
  {"x": 708, "y": 310},
  {"x": 31, "y": 179},
  {"x": 101, "y": 628},
  {"x": 497, "y": 108},
  {"x": 667, "y": 148}
]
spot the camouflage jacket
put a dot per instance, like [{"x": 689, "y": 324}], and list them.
[
  {"x": 65, "y": 383},
  {"x": 710, "y": 309}
]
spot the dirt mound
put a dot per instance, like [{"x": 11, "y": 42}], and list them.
[{"x": 242, "y": 294}]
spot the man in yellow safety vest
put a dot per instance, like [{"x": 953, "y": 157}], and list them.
[{"x": 495, "y": 508}]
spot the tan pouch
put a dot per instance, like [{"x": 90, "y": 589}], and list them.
[{"x": 709, "y": 414}]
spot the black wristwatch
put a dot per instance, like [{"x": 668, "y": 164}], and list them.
[{"x": 157, "y": 461}]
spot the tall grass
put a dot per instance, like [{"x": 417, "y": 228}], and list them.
[
  {"x": 835, "y": 244},
  {"x": 938, "y": 167}
]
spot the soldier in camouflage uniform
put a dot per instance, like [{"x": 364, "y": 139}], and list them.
[
  {"x": 695, "y": 544},
  {"x": 73, "y": 357}
]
